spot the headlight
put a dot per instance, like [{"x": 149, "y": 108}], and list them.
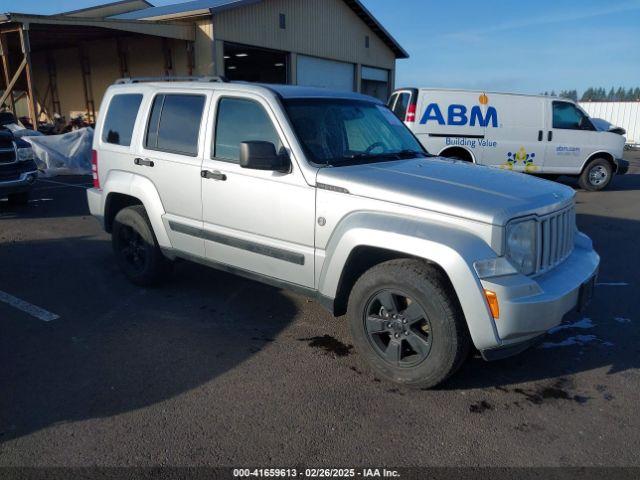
[
  {"x": 494, "y": 267},
  {"x": 521, "y": 245},
  {"x": 26, "y": 153}
]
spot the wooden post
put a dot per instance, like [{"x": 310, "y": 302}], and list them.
[
  {"x": 4, "y": 50},
  {"x": 26, "y": 50}
]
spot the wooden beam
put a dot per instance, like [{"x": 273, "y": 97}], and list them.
[
  {"x": 26, "y": 50},
  {"x": 4, "y": 51},
  {"x": 13, "y": 81}
]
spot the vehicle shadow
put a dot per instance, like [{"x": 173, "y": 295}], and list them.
[
  {"x": 117, "y": 347},
  {"x": 607, "y": 335}
]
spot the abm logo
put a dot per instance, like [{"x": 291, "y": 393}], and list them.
[{"x": 459, "y": 115}]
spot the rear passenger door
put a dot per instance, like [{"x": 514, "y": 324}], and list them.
[
  {"x": 254, "y": 220},
  {"x": 171, "y": 155}
]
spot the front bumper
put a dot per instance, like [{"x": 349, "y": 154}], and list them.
[
  {"x": 623, "y": 166},
  {"x": 530, "y": 306},
  {"x": 22, "y": 183}
]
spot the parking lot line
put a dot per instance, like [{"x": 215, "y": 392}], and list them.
[{"x": 34, "y": 311}]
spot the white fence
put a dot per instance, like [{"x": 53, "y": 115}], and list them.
[{"x": 620, "y": 114}]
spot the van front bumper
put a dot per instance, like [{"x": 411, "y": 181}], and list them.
[{"x": 530, "y": 306}]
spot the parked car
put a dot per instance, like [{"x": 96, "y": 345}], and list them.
[
  {"x": 526, "y": 133},
  {"x": 329, "y": 194},
  {"x": 18, "y": 170}
]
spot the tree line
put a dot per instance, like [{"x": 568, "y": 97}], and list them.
[{"x": 599, "y": 94}]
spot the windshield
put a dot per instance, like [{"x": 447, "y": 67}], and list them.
[{"x": 343, "y": 132}]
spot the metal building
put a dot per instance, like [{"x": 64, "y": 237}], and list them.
[{"x": 63, "y": 63}]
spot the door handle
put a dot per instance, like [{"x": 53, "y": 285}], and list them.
[
  {"x": 145, "y": 162},
  {"x": 550, "y": 135},
  {"x": 540, "y": 135},
  {"x": 209, "y": 175}
]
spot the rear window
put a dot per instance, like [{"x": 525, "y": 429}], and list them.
[
  {"x": 174, "y": 124},
  {"x": 121, "y": 118}
]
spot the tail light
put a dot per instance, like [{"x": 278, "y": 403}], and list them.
[
  {"x": 94, "y": 169},
  {"x": 411, "y": 113}
]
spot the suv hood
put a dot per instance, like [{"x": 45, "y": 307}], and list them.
[{"x": 451, "y": 187}]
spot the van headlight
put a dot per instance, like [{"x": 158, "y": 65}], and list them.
[
  {"x": 521, "y": 248},
  {"x": 25, "y": 153}
]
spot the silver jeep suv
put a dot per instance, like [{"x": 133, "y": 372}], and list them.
[{"x": 329, "y": 194}]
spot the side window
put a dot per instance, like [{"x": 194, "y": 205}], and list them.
[
  {"x": 400, "y": 108},
  {"x": 121, "y": 118},
  {"x": 174, "y": 123},
  {"x": 240, "y": 120},
  {"x": 566, "y": 116}
]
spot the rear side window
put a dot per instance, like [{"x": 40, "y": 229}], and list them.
[
  {"x": 121, "y": 118},
  {"x": 400, "y": 108},
  {"x": 240, "y": 120},
  {"x": 174, "y": 124}
]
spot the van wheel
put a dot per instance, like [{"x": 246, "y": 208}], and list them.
[
  {"x": 406, "y": 321},
  {"x": 596, "y": 175},
  {"x": 136, "y": 248}
]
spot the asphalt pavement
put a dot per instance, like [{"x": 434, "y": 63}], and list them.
[{"x": 212, "y": 369}]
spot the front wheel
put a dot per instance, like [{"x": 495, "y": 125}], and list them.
[
  {"x": 596, "y": 175},
  {"x": 136, "y": 248},
  {"x": 406, "y": 321}
]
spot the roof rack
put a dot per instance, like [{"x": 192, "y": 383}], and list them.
[{"x": 220, "y": 79}]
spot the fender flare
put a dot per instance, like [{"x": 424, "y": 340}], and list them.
[
  {"x": 144, "y": 190},
  {"x": 454, "y": 250},
  {"x": 600, "y": 153}
]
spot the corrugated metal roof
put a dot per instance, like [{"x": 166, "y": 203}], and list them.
[
  {"x": 109, "y": 9},
  {"x": 186, "y": 8},
  {"x": 214, "y": 6}
]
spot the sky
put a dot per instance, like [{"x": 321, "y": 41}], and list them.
[{"x": 517, "y": 46}]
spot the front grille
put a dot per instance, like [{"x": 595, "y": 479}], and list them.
[
  {"x": 7, "y": 155},
  {"x": 556, "y": 234}
]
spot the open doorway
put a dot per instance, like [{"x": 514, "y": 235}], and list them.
[{"x": 253, "y": 64}]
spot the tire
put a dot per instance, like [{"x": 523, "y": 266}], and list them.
[
  {"x": 596, "y": 175},
  {"x": 21, "y": 198},
  {"x": 136, "y": 248},
  {"x": 417, "y": 290}
]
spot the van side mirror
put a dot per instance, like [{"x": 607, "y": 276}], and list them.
[{"x": 258, "y": 155}]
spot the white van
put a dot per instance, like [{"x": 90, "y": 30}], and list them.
[{"x": 526, "y": 133}]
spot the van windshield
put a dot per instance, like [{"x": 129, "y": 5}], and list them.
[{"x": 345, "y": 132}]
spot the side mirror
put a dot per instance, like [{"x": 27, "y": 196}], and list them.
[{"x": 258, "y": 155}]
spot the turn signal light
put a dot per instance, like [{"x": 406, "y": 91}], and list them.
[{"x": 492, "y": 300}]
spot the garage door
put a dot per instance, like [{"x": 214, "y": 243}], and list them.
[{"x": 318, "y": 72}]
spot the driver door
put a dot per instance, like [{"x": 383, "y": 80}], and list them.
[
  {"x": 570, "y": 140},
  {"x": 255, "y": 220}
]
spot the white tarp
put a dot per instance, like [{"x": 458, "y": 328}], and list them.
[{"x": 66, "y": 154}]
